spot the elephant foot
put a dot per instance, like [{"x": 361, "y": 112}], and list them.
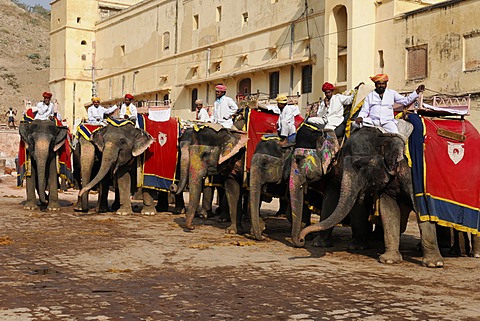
[
  {"x": 30, "y": 206},
  {"x": 433, "y": 261},
  {"x": 53, "y": 208},
  {"x": 476, "y": 255},
  {"x": 234, "y": 229},
  {"x": 319, "y": 241},
  {"x": 80, "y": 209},
  {"x": 391, "y": 257},
  {"x": 150, "y": 210},
  {"x": 103, "y": 210},
  {"x": 179, "y": 210},
  {"x": 358, "y": 245},
  {"x": 124, "y": 211},
  {"x": 224, "y": 218},
  {"x": 161, "y": 208}
]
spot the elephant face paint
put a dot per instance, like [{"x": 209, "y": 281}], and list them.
[{"x": 306, "y": 163}]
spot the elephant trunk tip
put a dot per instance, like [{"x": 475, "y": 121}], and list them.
[
  {"x": 300, "y": 242},
  {"x": 173, "y": 188},
  {"x": 190, "y": 227},
  {"x": 82, "y": 191}
]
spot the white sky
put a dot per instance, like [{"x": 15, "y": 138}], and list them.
[{"x": 43, "y": 3}]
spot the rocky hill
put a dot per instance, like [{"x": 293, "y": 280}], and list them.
[{"x": 24, "y": 55}]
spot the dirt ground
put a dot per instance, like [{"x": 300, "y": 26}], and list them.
[{"x": 72, "y": 266}]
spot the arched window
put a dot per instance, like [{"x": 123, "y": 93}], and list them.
[
  {"x": 340, "y": 14},
  {"x": 245, "y": 87},
  {"x": 194, "y": 97},
  {"x": 83, "y": 43},
  {"x": 274, "y": 84},
  {"x": 166, "y": 40},
  {"x": 306, "y": 79}
]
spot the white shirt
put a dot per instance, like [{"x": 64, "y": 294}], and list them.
[
  {"x": 331, "y": 116},
  {"x": 380, "y": 110},
  {"x": 132, "y": 111},
  {"x": 203, "y": 115},
  {"x": 95, "y": 114},
  {"x": 286, "y": 120},
  {"x": 44, "y": 111},
  {"x": 224, "y": 109}
]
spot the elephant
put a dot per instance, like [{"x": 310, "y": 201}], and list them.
[
  {"x": 270, "y": 172},
  {"x": 87, "y": 159},
  {"x": 42, "y": 138},
  {"x": 214, "y": 150},
  {"x": 373, "y": 163},
  {"x": 120, "y": 144},
  {"x": 312, "y": 159}
]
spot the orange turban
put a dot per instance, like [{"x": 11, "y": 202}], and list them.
[
  {"x": 47, "y": 95},
  {"x": 129, "y": 96},
  {"x": 327, "y": 86},
  {"x": 379, "y": 77},
  {"x": 220, "y": 88}
]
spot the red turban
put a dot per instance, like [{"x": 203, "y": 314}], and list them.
[
  {"x": 327, "y": 86},
  {"x": 129, "y": 96},
  {"x": 47, "y": 95},
  {"x": 220, "y": 88},
  {"x": 379, "y": 77}
]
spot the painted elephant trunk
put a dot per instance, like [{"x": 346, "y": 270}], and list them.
[
  {"x": 256, "y": 179},
  {"x": 110, "y": 155},
  {"x": 184, "y": 166},
  {"x": 350, "y": 188}
]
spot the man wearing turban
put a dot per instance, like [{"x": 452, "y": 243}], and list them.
[
  {"x": 224, "y": 107},
  {"x": 97, "y": 112},
  {"x": 45, "y": 108},
  {"x": 331, "y": 109},
  {"x": 377, "y": 109},
  {"x": 202, "y": 113},
  {"x": 286, "y": 120},
  {"x": 128, "y": 110}
]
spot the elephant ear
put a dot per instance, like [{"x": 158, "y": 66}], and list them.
[
  {"x": 143, "y": 140},
  {"x": 235, "y": 142},
  {"x": 97, "y": 138},
  {"x": 60, "y": 137},
  {"x": 25, "y": 130},
  {"x": 393, "y": 153}
]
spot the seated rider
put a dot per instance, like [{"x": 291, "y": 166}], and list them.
[
  {"x": 286, "y": 121},
  {"x": 96, "y": 112},
  {"x": 377, "y": 109},
  {"x": 331, "y": 109}
]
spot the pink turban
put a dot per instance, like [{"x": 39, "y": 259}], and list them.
[
  {"x": 327, "y": 86},
  {"x": 47, "y": 95},
  {"x": 221, "y": 88},
  {"x": 379, "y": 77},
  {"x": 129, "y": 96}
]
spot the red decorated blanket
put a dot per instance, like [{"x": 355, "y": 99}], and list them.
[
  {"x": 446, "y": 173},
  {"x": 160, "y": 159},
  {"x": 259, "y": 124}
]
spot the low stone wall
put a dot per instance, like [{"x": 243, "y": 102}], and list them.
[{"x": 9, "y": 140}]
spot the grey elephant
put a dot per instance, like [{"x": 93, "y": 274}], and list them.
[
  {"x": 42, "y": 139},
  {"x": 214, "y": 150},
  {"x": 119, "y": 144},
  {"x": 87, "y": 159},
  {"x": 315, "y": 150},
  {"x": 373, "y": 163}
]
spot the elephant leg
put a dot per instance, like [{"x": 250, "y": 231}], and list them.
[
  {"x": 87, "y": 158},
  {"x": 31, "y": 203},
  {"x": 179, "y": 204},
  {"x": 455, "y": 248},
  {"x": 116, "y": 201},
  {"x": 330, "y": 200},
  {"x": 148, "y": 202},
  {"x": 53, "y": 202},
  {"x": 361, "y": 227},
  {"x": 220, "y": 196},
  {"x": 390, "y": 214},
  {"x": 124, "y": 185},
  {"x": 162, "y": 202},
  {"x": 431, "y": 252},
  {"x": 232, "y": 190},
  {"x": 207, "y": 200},
  {"x": 102, "y": 203},
  {"x": 476, "y": 246},
  {"x": 282, "y": 211}
]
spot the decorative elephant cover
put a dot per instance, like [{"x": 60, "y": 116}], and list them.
[
  {"x": 87, "y": 130},
  {"x": 160, "y": 159},
  {"x": 259, "y": 124},
  {"x": 446, "y": 175},
  {"x": 64, "y": 159}
]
